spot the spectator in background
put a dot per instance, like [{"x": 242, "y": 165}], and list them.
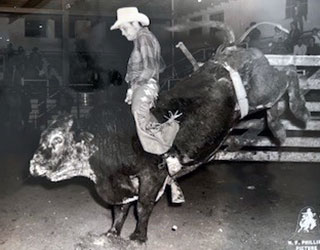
[
  {"x": 278, "y": 42},
  {"x": 20, "y": 64},
  {"x": 254, "y": 36},
  {"x": 304, "y": 9},
  {"x": 65, "y": 101},
  {"x": 25, "y": 106},
  {"x": 9, "y": 51},
  {"x": 35, "y": 61},
  {"x": 279, "y": 35},
  {"x": 293, "y": 36},
  {"x": 9, "y": 54},
  {"x": 316, "y": 36},
  {"x": 55, "y": 80},
  {"x": 300, "y": 48},
  {"x": 299, "y": 13},
  {"x": 313, "y": 48}
]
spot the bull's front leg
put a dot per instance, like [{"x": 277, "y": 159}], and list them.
[{"x": 120, "y": 213}]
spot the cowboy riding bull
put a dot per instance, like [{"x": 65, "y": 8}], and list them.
[{"x": 110, "y": 153}]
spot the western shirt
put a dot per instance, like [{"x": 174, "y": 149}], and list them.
[{"x": 145, "y": 61}]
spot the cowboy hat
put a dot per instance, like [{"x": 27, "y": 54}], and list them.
[{"x": 129, "y": 14}]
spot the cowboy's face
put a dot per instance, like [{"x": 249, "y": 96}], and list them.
[{"x": 129, "y": 30}]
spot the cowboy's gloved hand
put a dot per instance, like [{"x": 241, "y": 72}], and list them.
[{"x": 129, "y": 96}]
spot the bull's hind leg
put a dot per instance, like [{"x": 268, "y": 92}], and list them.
[
  {"x": 150, "y": 184},
  {"x": 297, "y": 102},
  {"x": 120, "y": 213},
  {"x": 274, "y": 124},
  {"x": 144, "y": 209}
]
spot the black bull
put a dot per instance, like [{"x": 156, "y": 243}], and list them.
[{"x": 109, "y": 153}]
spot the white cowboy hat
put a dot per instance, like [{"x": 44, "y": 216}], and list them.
[{"x": 129, "y": 14}]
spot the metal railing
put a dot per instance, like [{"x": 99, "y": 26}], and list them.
[
  {"x": 182, "y": 68},
  {"x": 29, "y": 85}
]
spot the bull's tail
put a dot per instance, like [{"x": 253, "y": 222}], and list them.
[
  {"x": 245, "y": 34},
  {"x": 297, "y": 103}
]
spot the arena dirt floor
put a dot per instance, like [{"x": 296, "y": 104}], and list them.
[{"x": 232, "y": 206}]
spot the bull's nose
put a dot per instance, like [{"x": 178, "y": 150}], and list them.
[
  {"x": 36, "y": 157},
  {"x": 32, "y": 168},
  {"x": 35, "y": 169}
]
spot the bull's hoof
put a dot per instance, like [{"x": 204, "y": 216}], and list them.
[
  {"x": 306, "y": 117},
  {"x": 93, "y": 241},
  {"x": 280, "y": 136},
  {"x": 138, "y": 238},
  {"x": 112, "y": 233}
]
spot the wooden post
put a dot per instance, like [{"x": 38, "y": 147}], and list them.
[
  {"x": 297, "y": 60},
  {"x": 190, "y": 57},
  {"x": 172, "y": 39},
  {"x": 65, "y": 44}
]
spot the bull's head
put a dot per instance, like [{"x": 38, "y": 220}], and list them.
[{"x": 60, "y": 156}]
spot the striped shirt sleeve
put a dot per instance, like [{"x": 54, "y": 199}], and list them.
[{"x": 149, "y": 62}]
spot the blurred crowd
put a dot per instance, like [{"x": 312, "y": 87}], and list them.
[
  {"x": 34, "y": 75},
  {"x": 20, "y": 64},
  {"x": 296, "y": 42},
  {"x": 30, "y": 76}
]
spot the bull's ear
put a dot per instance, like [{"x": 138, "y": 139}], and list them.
[
  {"x": 86, "y": 136},
  {"x": 69, "y": 121},
  {"x": 65, "y": 121},
  {"x": 58, "y": 121}
]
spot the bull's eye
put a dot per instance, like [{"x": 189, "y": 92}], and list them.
[{"x": 57, "y": 140}]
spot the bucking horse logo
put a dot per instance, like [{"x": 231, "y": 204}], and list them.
[{"x": 308, "y": 221}]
